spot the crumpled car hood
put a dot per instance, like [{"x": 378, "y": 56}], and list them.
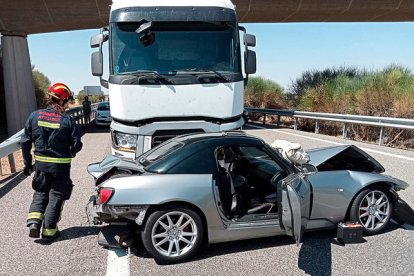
[{"x": 344, "y": 157}]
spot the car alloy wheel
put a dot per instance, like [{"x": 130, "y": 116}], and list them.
[
  {"x": 372, "y": 208},
  {"x": 173, "y": 235}
]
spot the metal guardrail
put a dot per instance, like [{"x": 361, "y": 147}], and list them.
[
  {"x": 346, "y": 119},
  {"x": 12, "y": 144}
]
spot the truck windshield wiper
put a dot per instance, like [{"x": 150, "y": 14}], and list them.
[
  {"x": 206, "y": 73},
  {"x": 145, "y": 75},
  {"x": 142, "y": 72}
]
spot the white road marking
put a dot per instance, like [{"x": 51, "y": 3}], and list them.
[
  {"x": 118, "y": 262},
  {"x": 336, "y": 143}
]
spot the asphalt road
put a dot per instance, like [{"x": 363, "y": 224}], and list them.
[{"x": 76, "y": 252}]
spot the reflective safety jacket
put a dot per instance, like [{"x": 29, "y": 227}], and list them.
[{"x": 56, "y": 139}]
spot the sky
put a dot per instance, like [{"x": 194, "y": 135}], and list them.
[{"x": 284, "y": 50}]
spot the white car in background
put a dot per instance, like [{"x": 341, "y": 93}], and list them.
[{"x": 103, "y": 114}]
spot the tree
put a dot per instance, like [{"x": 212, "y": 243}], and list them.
[
  {"x": 93, "y": 98},
  {"x": 41, "y": 85},
  {"x": 80, "y": 96}
]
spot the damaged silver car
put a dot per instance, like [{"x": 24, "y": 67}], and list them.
[{"x": 219, "y": 187}]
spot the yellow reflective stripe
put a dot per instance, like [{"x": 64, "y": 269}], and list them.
[
  {"x": 47, "y": 124},
  {"x": 49, "y": 231},
  {"x": 35, "y": 215},
  {"x": 53, "y": 159}
]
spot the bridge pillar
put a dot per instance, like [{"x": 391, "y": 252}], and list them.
[{"x": 18, "y": 81}]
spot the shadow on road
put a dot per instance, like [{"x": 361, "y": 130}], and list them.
[
  {"x": 92, "y": 128},
  {"x": 74, "y": 233},
  {"x": 243, "y": 246},
  {"x": 315, "y": 255},
  {"x": 11, "y": 182}
]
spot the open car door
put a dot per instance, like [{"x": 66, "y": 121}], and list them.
[{"x": 294, "y": 194}]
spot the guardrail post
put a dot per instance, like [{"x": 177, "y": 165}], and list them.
[
  {"x": 344, "y": 131},
  {"x": 381, "y": 138},
  {"x": 295, "y": 126},
  {"x": 278, "y": 121},
  {"x": 264, "y": 118},
  {"x": 11, "y": 163},
  {"x": 317, "y": 127}
]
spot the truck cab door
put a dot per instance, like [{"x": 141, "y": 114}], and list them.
[{"x": 294, "y": 202}]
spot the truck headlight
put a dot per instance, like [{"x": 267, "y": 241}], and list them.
[{"x": 126, "y": 142}]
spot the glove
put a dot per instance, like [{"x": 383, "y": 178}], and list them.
[{"x": 28, "y": 169}]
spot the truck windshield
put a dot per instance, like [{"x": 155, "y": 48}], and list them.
[{"x": 178, "y": 47}]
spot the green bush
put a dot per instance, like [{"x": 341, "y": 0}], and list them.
[
  {"x": 387, "y": 93},
  {"x": 264, "y": 93}
]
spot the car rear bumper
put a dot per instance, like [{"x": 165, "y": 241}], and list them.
[
  {"x": 99, "y": 213},
  {"x": 93, "y": 211}
]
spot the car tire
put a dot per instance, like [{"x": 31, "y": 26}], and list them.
[
  {"x": 373, "y": 209},
  {"x": 173, "y": 234}
]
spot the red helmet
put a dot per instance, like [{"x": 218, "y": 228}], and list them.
[{"x": 60, "y": 91}]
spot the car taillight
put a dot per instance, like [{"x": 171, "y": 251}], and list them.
[{"x": 105, "y": 194}]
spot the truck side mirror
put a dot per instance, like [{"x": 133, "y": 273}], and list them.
[
  {"x": 97, "y": 64},
  {"x": 250, "y": 62},
  {"x": 249, "y": 40},
  {"x": 98, "y": 39}
]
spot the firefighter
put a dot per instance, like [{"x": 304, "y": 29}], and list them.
[{"x": 56, "y": 140}]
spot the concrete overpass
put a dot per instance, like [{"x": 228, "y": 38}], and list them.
[{"x": 21, "y": 18}]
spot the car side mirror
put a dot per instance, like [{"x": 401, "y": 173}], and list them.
[{"x": 308, "y": 169}]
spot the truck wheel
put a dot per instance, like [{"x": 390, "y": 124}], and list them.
[
  {"x": 373, "y": 209},
  {"x": 173, "y": 234}
]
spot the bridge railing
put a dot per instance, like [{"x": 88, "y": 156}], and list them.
[
  {"x": 345, "y": 119},
  {"x": 12, "y": 144}
]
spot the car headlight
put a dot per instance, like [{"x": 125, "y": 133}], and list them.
[
  {"x": 126, "y": 142},
  {"x": 98, "y": 114}
]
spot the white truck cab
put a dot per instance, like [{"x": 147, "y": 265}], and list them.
[{"x": 174, "y": 68}]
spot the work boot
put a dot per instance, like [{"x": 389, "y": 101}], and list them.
[
  {"x": 34, "y": 230},
  {"x": 49, "y": 239}
]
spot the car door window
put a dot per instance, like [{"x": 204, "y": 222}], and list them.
[
  {"x": 261, "y": 160},
  {"x": 247, "y": 183},
  {"x": 200, "y": 162}
]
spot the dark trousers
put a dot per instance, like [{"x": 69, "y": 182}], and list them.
[
  {"x": 87, "y": 117},
  {"x": 51, "y": 191}
]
